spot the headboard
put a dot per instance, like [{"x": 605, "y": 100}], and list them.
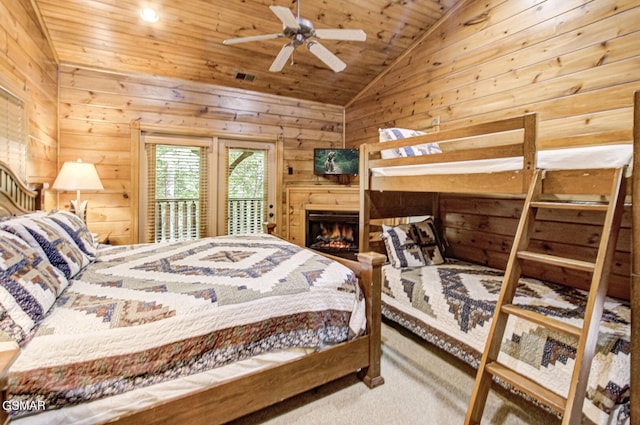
[{"x": 15, "y": 196}]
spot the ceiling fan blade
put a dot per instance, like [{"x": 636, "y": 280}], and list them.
[
  {"x": 341, "y": 34},
  {"x": 282, "y": 57},
  {"x": 286, "y": 16},
  {"x": 251, "y": 38},
  {"x": 331, "y": 60}
]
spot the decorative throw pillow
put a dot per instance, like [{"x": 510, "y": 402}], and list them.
[
  {"x": 389, "y": 134},
  {"x": 413, "y": 244},
  {"x": 29, "y": 286},
  {"x": 47, "y": 237},
  {"x": 401, "y": 250},
  {"x": 77, "y": 229},
  {"x": 427, "y": 237}
]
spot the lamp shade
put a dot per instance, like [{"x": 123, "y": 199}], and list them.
[{"x": 78, "y": 176}]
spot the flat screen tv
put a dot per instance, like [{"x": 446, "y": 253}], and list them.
[{"x": 336, "y": 161}]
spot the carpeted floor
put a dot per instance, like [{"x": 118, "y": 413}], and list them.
[{"x": 422, "y": 385}]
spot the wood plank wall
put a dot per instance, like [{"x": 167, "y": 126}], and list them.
[
  {"x": 28, "y": 70},
  {"x": 573, "y": 62},
  {"x": 97, "y": 107},
  {"x": 486, "y": 238}
]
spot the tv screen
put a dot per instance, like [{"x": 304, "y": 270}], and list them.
[{"x": 336, "y": 161}]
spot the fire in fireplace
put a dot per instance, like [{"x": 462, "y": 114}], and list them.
[{"x": 333, "y": 232}]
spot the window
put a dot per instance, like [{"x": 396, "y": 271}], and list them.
[
  {"x": 246, "y": 191},
  {"x": 13, "y": 133},
  {"x": 247, "y": 186},
  {"x": 192, "y": 183},
  {"x": 176, "y": 184}
]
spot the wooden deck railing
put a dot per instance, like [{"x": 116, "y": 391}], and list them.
[
  {"x": 179, "y": 219},
  {"x": 245, "y": 216}
]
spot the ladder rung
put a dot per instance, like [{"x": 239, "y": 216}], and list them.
[
  {"x": 570, "y": 206},
  {"x": 542, "y": 320},
  {"x": 557, "y": 261},
  {"x": 527, "y": 386}
]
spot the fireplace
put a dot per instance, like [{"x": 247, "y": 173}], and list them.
[{"x": 333, "y": 232}]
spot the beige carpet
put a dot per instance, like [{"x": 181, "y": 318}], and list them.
[{"x": 423, "y": 385}]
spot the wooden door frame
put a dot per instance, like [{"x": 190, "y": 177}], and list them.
[{"x": 270, "y": 147}]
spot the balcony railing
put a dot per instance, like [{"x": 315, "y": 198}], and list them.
[
  {"x": 245, "y": 216},
  {"x": 179, "y": 219}
]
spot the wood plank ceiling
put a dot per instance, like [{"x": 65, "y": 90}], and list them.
[{"x": 187, "y": 40}]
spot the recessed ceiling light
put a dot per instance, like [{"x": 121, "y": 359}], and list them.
[{"x": 149, "y": 15}]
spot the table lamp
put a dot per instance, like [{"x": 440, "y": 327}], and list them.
[{"x": 78, "y": 176}]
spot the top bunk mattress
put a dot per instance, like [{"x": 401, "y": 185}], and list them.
[{"x": 584, "y": 157}]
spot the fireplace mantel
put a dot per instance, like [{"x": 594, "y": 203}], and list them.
[{"x": 301, "y": 199}]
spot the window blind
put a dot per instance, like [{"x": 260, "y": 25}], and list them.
[
  {"x": 13, "y": 144},
  {"x": 177, "y": 195}
]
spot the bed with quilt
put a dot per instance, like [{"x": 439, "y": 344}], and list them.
[
  {"x": 450, "y": 303},
  {"x": 199, "y": 331}
]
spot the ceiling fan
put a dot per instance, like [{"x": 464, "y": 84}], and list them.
[{"x": 300, "y": 31}]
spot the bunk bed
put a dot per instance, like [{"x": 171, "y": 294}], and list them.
[
  {"x": 452, "y": 303},
  {"x": 155, "y": 333}
]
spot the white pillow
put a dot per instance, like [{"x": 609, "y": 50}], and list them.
[{"x": 389, "y": 134}]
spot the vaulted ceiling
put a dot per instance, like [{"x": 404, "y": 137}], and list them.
[{"x": 186, "y": 42}]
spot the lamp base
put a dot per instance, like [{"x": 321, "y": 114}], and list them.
[{"x": 79, "y": 209}]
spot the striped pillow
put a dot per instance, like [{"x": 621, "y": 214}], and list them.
[{"x": 389, "y": 134}]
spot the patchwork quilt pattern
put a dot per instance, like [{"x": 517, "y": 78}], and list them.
[
  {"x": 452, "y": 305},
  {"x": 50, "y": 241},
  {"x": 144, "y": 314},
  {"x": 29, "y": 286},
  {"x": 76, "y": 229}
]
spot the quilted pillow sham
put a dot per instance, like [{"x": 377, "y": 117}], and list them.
[
  {"x": 413, "y": 244},
  {"x": 389, "y": 134},
  {"x": 50, "y": 240},
  {"x": 76, "y": 229},
  {"x": 29, "y": 286}
]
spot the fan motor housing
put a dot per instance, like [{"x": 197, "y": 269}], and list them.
[{"x": 300, "y": 34}]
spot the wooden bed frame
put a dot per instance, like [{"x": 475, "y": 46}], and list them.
[
  {"x": 383, "y": 197},
  {"x": 235, "y": 398}
]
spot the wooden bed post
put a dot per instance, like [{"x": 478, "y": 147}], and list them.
[
  {"x": 530, "y": 148},
  {"x": 635, "y": 271},
  {"x": 365, "y": 200},
  {"x": 371, "y": 277}
]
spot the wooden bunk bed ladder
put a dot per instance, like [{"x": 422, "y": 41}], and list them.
[{"x": 587, "y": 336}]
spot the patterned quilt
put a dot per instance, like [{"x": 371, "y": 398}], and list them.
[
  {"x": 451, "y": 305},
  {"x": 144, "y": 314}
]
